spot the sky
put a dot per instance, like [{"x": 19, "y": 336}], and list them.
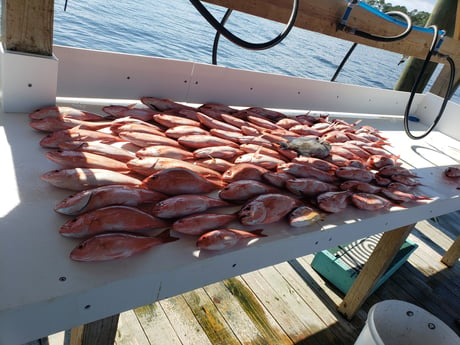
[{"x": 419, "y": 5}]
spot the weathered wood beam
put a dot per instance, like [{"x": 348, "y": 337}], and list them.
[
  {"x": 27, "y": 26},
  {"x": 377, "y": 264},
  {"x": 457, "y": 22},
  {"x": 323, "y": 16}
]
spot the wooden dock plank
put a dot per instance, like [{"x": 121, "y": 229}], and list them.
[
  {"x": 236, "y": 316},
  {"x": 130, "y": 331},
  {"x": 214, "y": 325},
  {"x": 156, "y": 325},
  {"x": 291, "y": 312},
  {"x": 328, "y": 314},
  {"x": 185, "y": 325}
]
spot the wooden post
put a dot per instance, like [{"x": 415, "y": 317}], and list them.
[
  {"x": 101, "y": 332},
  {"x": 452, "y": 254},
  {"x": 27, "y": 26},
  {"x": 443, "y": 16},
  {"x": 376, "y": 266},
  {"x": 442, "y": 81}
]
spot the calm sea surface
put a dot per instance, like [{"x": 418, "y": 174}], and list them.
[{"x": 175, "y": 29}]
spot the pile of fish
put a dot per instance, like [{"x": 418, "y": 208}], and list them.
[{"x": 162, "y": 165}]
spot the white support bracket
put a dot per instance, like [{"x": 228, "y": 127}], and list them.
[{"x": 28, "y": 81}]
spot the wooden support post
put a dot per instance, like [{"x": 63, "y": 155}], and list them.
[
  {"x": 376, "y": 266},
  {"x": 27, "y": 26},
  {"x": 443, "y": 16},
  {"x": 452, "y": 254},
  {"x": 101, "y": 332},
  {"x": 442, "y": 81}
]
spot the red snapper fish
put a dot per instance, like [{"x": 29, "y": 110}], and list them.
[
  {"x": 150, "y": 165},
  {"x": 370, "y": 202},
  {"x": 99, "y": 197},
  {"x": 221, "y": 239},
  {"x": 80, "y": 159},
  {"x": 99, "y": 148},
  {"x": 173, "y": 120},
  {"x": 452, "y": 172},
  {"x": 277, "y": 179},
  {"x": 218, "y": 164},
  {"x": 359, "y": 186},
  {"x": 379, "y": 161},
  {"x": 121, "y": 111},
  {"x": 163, "y": 104},
  {"x": 304, "y": 216},
  {"x": 69, "y": 112},
  {"x": 53, "y": 140},
  {"x": 114, "y": 246},
  {"x": 164, "y": 151},
  {"x": 79, "y": 179},
  {"x": 352, "y": 173},
  {"x": 197, "y": 224},
  {"x": 110, "y": 218},
  {"x": 333, "y": 202},
  {"x": 210, "y": 122},
  {"x": 224, "y": 152},
  {"x": 232, "y": 136},
  {"x": 315, "y": 163},
  {"x": 265, "y": 161},
  {"x": 244, "y": 171},
  {"x": 243, "y": 190},
  {"x": 179, "y": 131},
  {"x": 303, "y": 170},
  {"x": 399, "y": 196},
  {"x": 309, "y": 186},
  {"x": 198, "y": 141},
  {"x": 267, "y": 208},
  {"x": 145, "y": 127},
  {"x": 54, "y": 124},
  {"x": 147, "y": 139},
  {"x": 184, "y": 205},
  {"x": 175, "y": 181}
]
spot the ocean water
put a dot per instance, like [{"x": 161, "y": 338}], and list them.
[{"x": 175, "y": 29}]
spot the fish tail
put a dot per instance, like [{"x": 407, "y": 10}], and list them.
[{"x": 258, "y": 233}]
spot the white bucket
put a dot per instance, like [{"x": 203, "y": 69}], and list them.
[{"x": 394, "y": 322}]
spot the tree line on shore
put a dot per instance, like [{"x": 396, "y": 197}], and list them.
[{"x": 419, "y": 18}]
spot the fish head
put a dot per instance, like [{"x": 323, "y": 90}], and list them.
[
  {"x": 82, "y": 252},
  {"x": 74, "y": 204},
  {"x": 254, "y": 212},
  {"x": 51, "y": 176},
  {"x": 75, "y": 228},
  {"x": 217, "y": 240}
]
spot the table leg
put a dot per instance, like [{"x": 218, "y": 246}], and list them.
[
  {"x": 375, "y": 267},
  {"x": 452, "y": 254},
  {"x": 101, "y": 332}
]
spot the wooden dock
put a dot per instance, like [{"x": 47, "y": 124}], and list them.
[{"x": 290, "y": 303}]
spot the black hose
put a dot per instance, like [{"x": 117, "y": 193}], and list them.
[
  {"x": 417, "y": 81},
  {"x": 216, "y": 38},
  {"x": 375, "y": 38},
  {"x": 344, "y": 60},
  {"x": 238, "y": 41},
  {"x": 406, "y": 32}
]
